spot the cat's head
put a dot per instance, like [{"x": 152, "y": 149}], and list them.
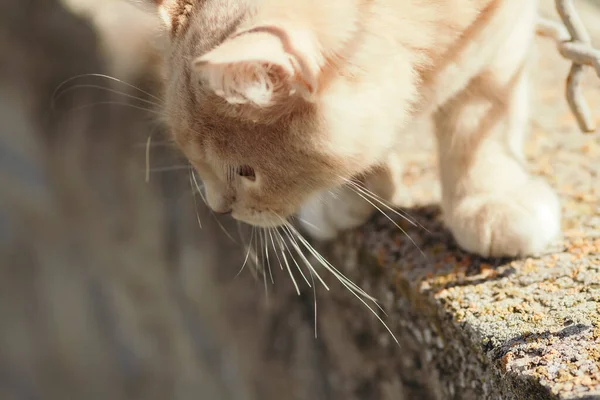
[{"x": 247, "y": 105}]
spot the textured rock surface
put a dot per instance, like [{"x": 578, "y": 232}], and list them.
[{"x": 492, "y": 329}]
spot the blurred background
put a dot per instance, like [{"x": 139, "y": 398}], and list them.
[{"x": 109, "y": 286}]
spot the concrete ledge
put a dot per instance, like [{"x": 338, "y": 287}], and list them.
[{"x": 482, "y": 329}]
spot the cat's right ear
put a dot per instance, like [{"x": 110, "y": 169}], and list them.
[{"x": 174, "y": 13}]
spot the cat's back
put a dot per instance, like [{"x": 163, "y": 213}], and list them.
[
  {"x": 448, "y": 41},
  {"x": 432, "y": 26}
]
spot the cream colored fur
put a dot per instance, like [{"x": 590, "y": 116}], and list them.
[{"x": 310, "y": 94}]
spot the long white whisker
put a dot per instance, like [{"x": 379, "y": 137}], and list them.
[
  {"x": 383, "y": 203},
  {"x": 107, "y": 89},
  {"x": 104, "y": 77},
  {"x": 348, "y": 284},
  {"x": 286, "y": 263},
  {"x": 247, "y": 253},
  {"x": 265, "y": 244},
  {"x": 294, "y": 243},
  {"x": 266, "y": 286},
  {"x": 311, "y": 270},
  {"x": 314, "y": 288},
  {"x": 374, "y": 313},
  {"x": 195, "y": 203},
  {"x": 273, "y": 245},
  {"x": 198, "y": 186},
  {"x": 328, "y": 265},
  {"x": 391, "y": 220},
  {"x": 264, "y": 273},
  {"x": 380, "y": 200},
  {"x": 224, "y": 229},
  {"x": 284, "y": 247},
  {"x": 260, "y": 246},
  {"x": 249, "y": 244},
  {"x": 341, "y": 277},
  {"x": 255, "y": 254}
]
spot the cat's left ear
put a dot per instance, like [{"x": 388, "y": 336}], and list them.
[{"x": 262, "y": 67}]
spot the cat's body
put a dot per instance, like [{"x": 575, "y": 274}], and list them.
[{"x": 279, "y": 104}]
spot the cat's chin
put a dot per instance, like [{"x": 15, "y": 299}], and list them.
[{"x": 263, "y": 220}]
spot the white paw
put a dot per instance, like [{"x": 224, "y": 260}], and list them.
[
  {"x": 326, "y": 214},
  {"x": 507, "y": 224}
]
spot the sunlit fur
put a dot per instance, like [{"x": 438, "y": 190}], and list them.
[{"x": 315, "y": 94}]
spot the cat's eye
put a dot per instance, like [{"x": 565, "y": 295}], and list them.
[{"x": 247, "y": 172}]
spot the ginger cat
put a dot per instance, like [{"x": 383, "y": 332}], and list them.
[{"x": 282, "y": 106}]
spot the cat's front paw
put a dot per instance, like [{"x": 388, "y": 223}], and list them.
[
  {"x": 327, "y": 214},
  {"x": 510, "y": 224}
]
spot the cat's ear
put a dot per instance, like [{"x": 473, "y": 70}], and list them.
[
  {"x": 262, "y": 67},
  {"x": 174, "y": 13}
]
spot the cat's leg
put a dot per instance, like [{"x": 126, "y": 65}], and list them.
[
  {"x": 490, "y": 202},
  {"x": 351, "y": 205}
]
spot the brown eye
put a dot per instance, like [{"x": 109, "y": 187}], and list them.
[{"x": 247, "y": 172}]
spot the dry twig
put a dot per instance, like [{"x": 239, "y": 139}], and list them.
[{"x": 573, "y": 42}]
